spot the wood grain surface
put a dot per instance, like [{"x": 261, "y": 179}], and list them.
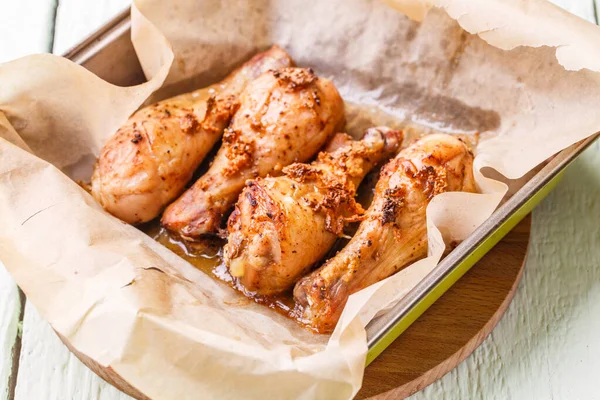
[
  {"x": 440, "y": 339},
  {"x": 454, "y": 325},
  {"x": 25, "y": 28},
  {"x": 545, "y": 347},
  {"x": 45, "y": 368}
]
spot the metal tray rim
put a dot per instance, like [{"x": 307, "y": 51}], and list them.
[{"x": 378, "y": 330}]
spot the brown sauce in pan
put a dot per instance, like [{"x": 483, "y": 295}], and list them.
[{"x": 206, "y": 255}]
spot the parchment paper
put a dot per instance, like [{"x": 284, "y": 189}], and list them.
[{"x": 522, "y": 73}]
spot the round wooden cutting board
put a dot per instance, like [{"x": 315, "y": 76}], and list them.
[
  {"x": 441, "y": 338},
  {"x": 453, "y": 326}
]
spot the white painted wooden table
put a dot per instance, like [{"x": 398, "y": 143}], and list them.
[{"x": 546, "y": 347}]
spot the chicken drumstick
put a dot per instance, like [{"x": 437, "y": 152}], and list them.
[
  {"x": 150, "y": 159},
  {"x": 394, "y": 232},
  {"x": 282, "y": 226},
  {"x": 285, "y": 116}
]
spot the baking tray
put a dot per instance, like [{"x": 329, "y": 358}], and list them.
[{"x": 109, "y": 54}]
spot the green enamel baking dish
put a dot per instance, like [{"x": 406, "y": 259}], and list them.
[{"x": 110, "y": 55}]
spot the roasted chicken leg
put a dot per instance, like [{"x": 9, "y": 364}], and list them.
[
  {"x": 150, "y": 159},
  {"x": 285, "y": 116},
  {"x": 394, "y": 232},
  {"x": 282, "y": 226}
]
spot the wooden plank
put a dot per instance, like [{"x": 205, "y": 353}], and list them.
[
  {"x": 453, "y": 326},
  {"x": 545, "y": 346},
  {"x": 11, "y": 314},
  {"x": 47, "y": 370},
  {"x": 26, "y": 28},
  {"x": 28, "y": 24},
  {"x": 513, "y": 363},
  {"x": 76, "y": 19},
  {"x": 581, "y": 8}
]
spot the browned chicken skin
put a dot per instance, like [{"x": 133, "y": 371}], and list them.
[
  {"x": 282, "y": 226},
  {"x": 285, "y": 116},
  {"x": 394, "y": 232},
  {"x": 151, "y": 158}
]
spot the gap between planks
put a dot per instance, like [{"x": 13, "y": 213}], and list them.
[
  {"x": 44, "y": 367},
  {"x": 16, "y": 350},
  {"x": 28, "y": 25},
  {"x": 59, "y": 41}
]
